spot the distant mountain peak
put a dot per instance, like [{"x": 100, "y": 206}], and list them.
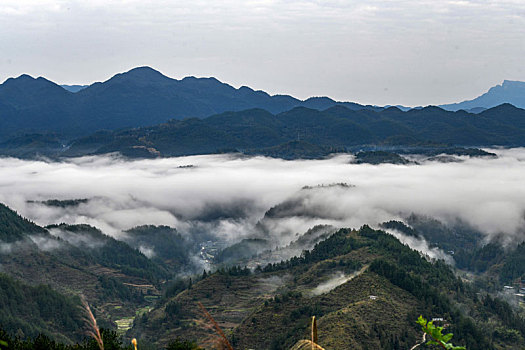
[
  {"x": 432, "y": 108},
  {"x": 319, "y": 98},
  {"x": 24, "y": 78},
  {"x": 143, "y": 70},
  {"x": 28, "y": 84},
  {"x": 504, "y": 107},
  {"x": 140, "y": 75},
  {"x": 392, "y": 109},
  {"x": 509, "y": 91},
  {"x": 138, "y": 97},
  {"x": 205, "y": 80}
]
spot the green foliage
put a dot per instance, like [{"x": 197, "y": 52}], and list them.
[
  {"x": 173, "y": 309},
  {"x": 175, "y": 287},
  {"x": 379, "y": 157},
  {"x": 296, "y": 150},
  {"x": 434, "y": 297},
  {"x": 508, "y": 317},
  {"x": 13, "y": 227},
  {"x": 458, "y": 238},
  {"x": 169, "y": 246},
  {"x": 401, "y": 227},
  {"x": 113, "y": 288},
  {"x": 32, "y": 310},
  {"x": 116, "y": 254},
  {"x": 63, "y": 203},
  {"x": 514, "y": 264},
  {"x": 436, "y": 335},
  {"x": 180, "y": 344},
  {"x": 246, "y": 248},
  {"x": 320, "y": 132},
  {"x": 337, "y": 244},
  {"x": 480, "y": 259},
  {"x": 234, "y": 271},
  {"x": 111, "y": 340}
]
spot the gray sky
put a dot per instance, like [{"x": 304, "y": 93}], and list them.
[{"x": 378, "y": 52}]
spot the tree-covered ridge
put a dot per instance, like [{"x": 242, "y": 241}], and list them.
[
  {"x": 379, "y": 157},
  {"x": 299, "y": 133},
  {"x": 388, "y": 285},
  {"x": 500, "y": 265},
  {"x": 13, "y": 227},
  {"x": 303, "y": 132},
  {"x": 357, "y": 282},
  {"x": 80, "y": 259},
  {"x": 111, "y": 252},
  {"x": 165, "y": 245},
  {"x": 111, "y": 340},
  {"x": 28, "y": 311},
  {"x": 296, "y": 149},
  {"x": 246, "y": 248},
  {"x": 62, "y": 203}
]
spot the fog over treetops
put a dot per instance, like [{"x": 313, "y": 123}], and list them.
[{"x": 227, "y": 197}]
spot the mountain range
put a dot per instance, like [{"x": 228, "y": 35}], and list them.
[
  {"x": 144, "y": 97},
  {"x": 298, "y": 133},
  {"x": 139, "y": 97},
  {"x": 308, "y": 133}
]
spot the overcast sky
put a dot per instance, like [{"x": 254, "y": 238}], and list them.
[{"x": 378, "y": 52}]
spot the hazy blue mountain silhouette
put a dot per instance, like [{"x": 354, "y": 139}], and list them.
[
  {"x": 139, "y": 97},
  {"x": 512, "y": 92}
]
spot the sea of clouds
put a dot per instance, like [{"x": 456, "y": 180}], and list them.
[{"x": 227, "y": 196}]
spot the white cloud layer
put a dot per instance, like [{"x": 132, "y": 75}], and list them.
[{"x": 226, "y": 197}]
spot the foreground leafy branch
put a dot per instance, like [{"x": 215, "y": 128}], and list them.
[{"x": 436, "y": 335}]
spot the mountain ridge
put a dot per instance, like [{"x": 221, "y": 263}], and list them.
[
  {"x": 139, "y": 97},
  {"x": 336, "y": 129},
  {"x": 509, "y": 91},
  {"x": 39, "y": 117}
]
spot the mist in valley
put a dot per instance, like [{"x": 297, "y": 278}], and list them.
[{"x": 228, "y": 198}]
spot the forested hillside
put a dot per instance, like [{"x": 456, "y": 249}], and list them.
[
  {"x": 28, "y": 311},
  {"x": 307, "y": 133},
  {"x": 365, "y": 287},
  {"x": 73, "y": 260}
]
